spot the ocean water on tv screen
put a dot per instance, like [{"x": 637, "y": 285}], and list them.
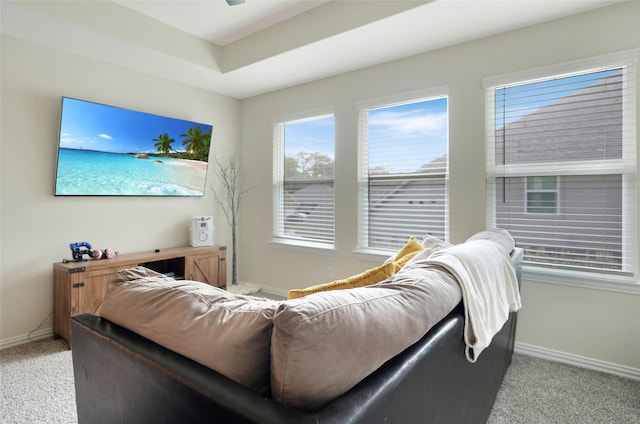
[{"x": 83, "y": 172}]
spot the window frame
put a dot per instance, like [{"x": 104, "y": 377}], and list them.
[
  {"x": 278, "y": 141},
  {"x": 593, "y": 279},
  {"x": 556, "y": 191},
  {"x": 363, "y": 250}
]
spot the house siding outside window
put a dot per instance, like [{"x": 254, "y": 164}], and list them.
[{"x": 561, "y": 168}]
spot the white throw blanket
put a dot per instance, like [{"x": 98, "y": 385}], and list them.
[{"x": 489, "y": 289}]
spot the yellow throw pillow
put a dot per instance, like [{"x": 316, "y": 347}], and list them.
[
  {"x": 403, "y": 260},
  {"x": 366, "y": 278},
  {"x": 408, "y": 251}
]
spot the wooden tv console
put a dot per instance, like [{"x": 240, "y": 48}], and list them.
[{"x": 79, "y": 287}]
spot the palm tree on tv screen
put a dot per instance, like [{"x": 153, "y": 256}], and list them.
[
  {"x": 197, "y": 143},
  {"x": 163, "y": 143}
]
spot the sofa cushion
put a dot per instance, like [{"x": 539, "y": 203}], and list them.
[
  {"x": 370, "y": 276},
  {"x": 325, "y": 343},
  {"x": 225, "y": 332},
  {"x": 434, "y": 243},
  {"x": 497, "y": 235}
]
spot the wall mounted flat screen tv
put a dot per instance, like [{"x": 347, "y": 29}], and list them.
[{"x": 110, "y": 151}]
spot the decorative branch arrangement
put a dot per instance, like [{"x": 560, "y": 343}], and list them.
[{"x": 229, "y": 200}]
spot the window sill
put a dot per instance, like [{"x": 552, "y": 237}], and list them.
[
  {"x": 604, "y": 282},
  {"x": 372, "y": 255},
  {"x": 304, "y": 246}
]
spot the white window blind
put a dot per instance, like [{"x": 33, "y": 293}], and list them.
[
  {"x": 403, "y": 171},
  {"x": 562, "y": 168},
  {"x": 303, "y": 180}
]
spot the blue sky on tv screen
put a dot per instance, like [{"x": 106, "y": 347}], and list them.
[{"x": 93, "y": 126}]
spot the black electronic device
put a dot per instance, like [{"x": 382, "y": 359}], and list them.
[{"x": 81, "y": 248}]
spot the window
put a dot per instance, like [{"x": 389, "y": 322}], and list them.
[
  {"x": 303, "y": 181},
  {"x": 566, "y": 145},
  {"x": 402, "y": 169},
  {"x": 542, "y": 194}
]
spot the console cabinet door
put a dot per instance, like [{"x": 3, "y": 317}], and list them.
[
  {"x": 91, "y": 293},
  {"x": 203, "y": 268}
]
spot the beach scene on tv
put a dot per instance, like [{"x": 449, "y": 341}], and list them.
[{"x": 110, "y": 151}]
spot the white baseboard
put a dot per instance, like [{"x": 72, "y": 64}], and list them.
[
  {"x": 275, "y": 291},
  {"x": 41, "y": 334},
  {"x": 578, "y": 361}
]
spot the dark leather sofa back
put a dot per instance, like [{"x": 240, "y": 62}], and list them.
[{"x": 121, "y": 377}]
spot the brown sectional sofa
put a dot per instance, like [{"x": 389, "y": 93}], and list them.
[{"x": 332, "y": 357}]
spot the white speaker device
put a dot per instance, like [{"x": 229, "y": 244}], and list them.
[{"x": 201, "y": 231}]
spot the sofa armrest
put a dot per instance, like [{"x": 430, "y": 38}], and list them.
[{"x": 517, "y": 256}]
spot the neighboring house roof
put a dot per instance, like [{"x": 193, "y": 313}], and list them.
[
  {"x": 290, "y": 205},
  {"x": 436, "y": 166},
  {"x": 567, "y": 136},
  {"x": 380, "y": 196},
  {"x": 307, "y": 200}
]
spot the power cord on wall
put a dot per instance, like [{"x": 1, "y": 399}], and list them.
[{"x": 38, "y": 327}]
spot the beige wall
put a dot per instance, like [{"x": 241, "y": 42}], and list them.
[
  {"x": 595, "y": 324},
  {"x": 37, "y": 227}
]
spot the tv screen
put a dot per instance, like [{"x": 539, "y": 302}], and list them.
[{"x": 110, "y": 151}]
